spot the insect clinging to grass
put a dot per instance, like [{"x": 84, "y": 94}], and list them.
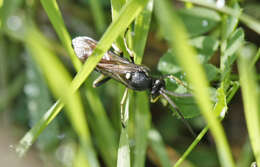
[{"x": 133, "y": 76}]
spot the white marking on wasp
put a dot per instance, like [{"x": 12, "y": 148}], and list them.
[
  {"x": 84, "y": 46},
  {"x": 81, "y": 47},
  {"x": 128, "y": 75}
]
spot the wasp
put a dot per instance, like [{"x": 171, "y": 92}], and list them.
[{"x": 133, "y": 76}]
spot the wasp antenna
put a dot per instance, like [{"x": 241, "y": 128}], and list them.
[
  {"x": 163, "y": 93},
  {"x": 177, "y": 94}
]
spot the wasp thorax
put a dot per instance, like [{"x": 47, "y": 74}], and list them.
[{"x": 139, "y": 81}]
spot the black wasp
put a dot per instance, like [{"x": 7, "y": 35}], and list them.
[{"x": 133, "y": 76}]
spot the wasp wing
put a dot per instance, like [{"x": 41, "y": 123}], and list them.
[{"x": 111, "y": 64}]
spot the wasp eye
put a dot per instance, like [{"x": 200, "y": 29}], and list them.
[{"x": 128, "y": 75}]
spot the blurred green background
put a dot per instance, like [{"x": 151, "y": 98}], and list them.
[{"x": 30, "y": 84}]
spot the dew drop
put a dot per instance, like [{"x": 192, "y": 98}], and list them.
[
  {"x": 205, "y": 23},
  {"x": 61, "y": 136},
  {"x": 31, "y": 90},
  {"x": 14, "y": 23}
]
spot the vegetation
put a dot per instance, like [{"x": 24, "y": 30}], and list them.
[{"x": 198, "y": 42}]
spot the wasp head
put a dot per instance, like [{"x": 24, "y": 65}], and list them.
[{"x": 158, "y": 84}]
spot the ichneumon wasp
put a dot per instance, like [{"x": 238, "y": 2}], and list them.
[{"x": 133, "y": 76}]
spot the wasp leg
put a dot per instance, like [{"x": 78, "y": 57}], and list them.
[
  {"x": 178, "y": 94},
  {"x": 117, "y": 50},
  {"x": 174, "y": 106},
  {"x": 100, "y": 81},
  {"x": 130, "y": 52},
  {"x": 124, "y": 114},
  {"x": 153, "y": 100}
]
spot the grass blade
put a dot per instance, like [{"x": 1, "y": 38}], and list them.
[
  {"x": 142, "y": 111},
  {"x": 52, "y": 9},
  {"x": 246, "y": 156},
  {"x": 59, "y": 81},
  {"x": 30, "y": 137},
  {"x": 60, "y": 87},
  {"x": 58, "y": 23},
  {"x": 38, "y": 95},
  {"x": 142, "y": 127},
  {"x": 102, "y": 129},
  {"x": 250, "y": 100},
  {"x": 116, "y": 6},
  {"x": 255, "y": 58},
  {"x": 98, "y": 15},
  {"x": 123, "y": 154},
  {"x": 127, "y": 14},
  {"x": 123, "y": 159},
  {"x": 173, "y": 28},
  {"x": 142, "y": 25},
  {"x": 156, "y": 142},
  {"x": 11, "y": 91}
]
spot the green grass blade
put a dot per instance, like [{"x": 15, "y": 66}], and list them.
[
  {"x": 30, "y": 137},
  {"x": 246, "y": 19},
  {"x": 142, "y": 127},
  {"x": 59, "y": 82},
  {"x": 123, "y": 154},
  {"x": 11, "y": 91},
  {"x": 123, "y": 159},
  {"x": 38, "y": 95},
  {"x": 128, "y": 13},
  {"x": 58, "y": 23},
  {"x": 246, "y": 156},
  {"x": 255, "y": 58},
  {"x": 142, "y": 111},
  {"x": 174, "y": 29},
  {"x": 52, "y": 9},
  {"x": 116, "y": 6},
  {"x": 250, "y": 100},
  {"x": 157, "y": 145},
  {"x": 142, "y": 25},
  {"x": 7, "y": 8},
  {"x": 80, "y": 159},
  {"x": 191, "y": 147},
  {"x": 98, "y": 15},
  {"x": 102, "y": 129}
]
